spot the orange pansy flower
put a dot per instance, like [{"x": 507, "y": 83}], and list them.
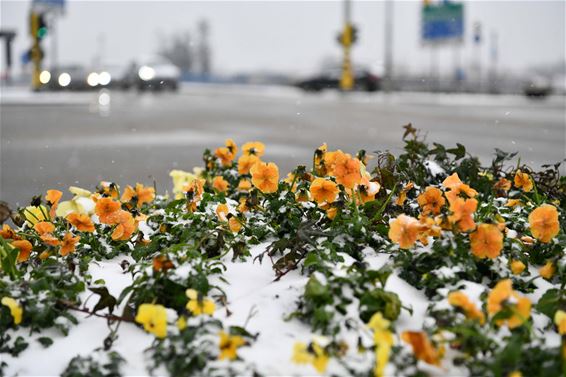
[
  {"x": 265, "y": 176},
  {"x": 44, "y": 227},
  {"x": 463, "y": 213},
  {"x": 220, "y": 184},
  {"x": 106, "y": 209},
  {"x": 422, "y": 347},
  {"x": 403, "y": 194},
  {"x": 81, "y": 221},
  {"x": 234, "y": 224},
  {"x": 253, "y": 147},
  {"x": 503, "y": 185},
  {"x": 500, "y": 296},
  {"x": 243, "y": 206},
  {"x": 486, "y": 241},
  {"x": 225, "y": 155},
  {"x": 452, "y": 181},
  {"x": 544, "y": 223},
  {"x": 347, "y": 170},
  {"x": 25, "y": 249},
  {"x": 231, "y": 145},
  {"x": 368, "y": 189},
  {"x": 222, "y": 211},
  {"x": 547, "y": 271},
  {"x": 68, "y": 244},
  {"x": 456, "y": 187},
  {"x": 162, "y": 263},
  {"x": 141, "y": 193},
  {"x": 110, "y": 189},
  {"x": 431, "y": 201},
  {"x": 460, "y": 300},
  {"x": 49, "y": 239},
  {"x": 319, "y": 155},
  {"x": 244, "y": 185},
  {"x": 246, "y": 162},
  {"x": 52, "y": 197},
  {"x": 517, "y": 267},
  {"x": 523, "y": 180},
  {"x": 429, "y": 228},
  {"x": 405, "y": 230},
  {"x": 330, "y": 159},
  {"x": 513, "y": 203},
  {"x": 323, "y": 190},
  {"x": 8, "y": 233},
  {"x": 126, "y": 226}
]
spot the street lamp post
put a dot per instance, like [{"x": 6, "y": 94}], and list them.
[{"x": 347, "y": 79}]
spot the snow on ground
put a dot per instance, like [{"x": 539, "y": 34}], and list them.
[{"x": 253, "y": 297}]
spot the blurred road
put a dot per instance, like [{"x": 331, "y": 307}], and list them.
[{"x": 53, "y": 140}]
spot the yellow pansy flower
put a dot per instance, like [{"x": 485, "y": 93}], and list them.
[
  {"x": 181, "y": 323},
  {"x": 180, "y": 179},
  {"x": 229, "y": 345},
  {"x": 320, "y": 360},
  {"x": 153, "y": 318},
  {"x": 81, "y": 203},
  {"x": 34, "y": 214},
  {"x": 301, "y": 354},
  {"x": 198, "y": 307},
  {"x": 15, "y": 309},
  {"x": 560, "y": 321}
]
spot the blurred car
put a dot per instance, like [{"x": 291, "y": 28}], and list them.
[
  {"x": 155, "y": 73},
  {"x": 537, "y": 87},
  {"x": 68, "y": 77},
  {"x": 364, "y": 80},
  {"x": 109, "y": 76}
]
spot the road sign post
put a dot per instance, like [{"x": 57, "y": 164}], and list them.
[
  {"x": 347, "y": 78},
  {"x": 441, "y": 24}
]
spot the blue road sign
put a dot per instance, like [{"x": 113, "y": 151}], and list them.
[
  {"x": 48, "y": 5},
  {"x": 443, "y": 22}
]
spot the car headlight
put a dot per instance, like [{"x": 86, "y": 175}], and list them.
[
  {"x": 64, "y": 79},
  {"x": 104, "y": 78},
  {"x": 146, "y": 73},
  {"x": 44, "y": 77},
  {"x": 92, "y": 79}
]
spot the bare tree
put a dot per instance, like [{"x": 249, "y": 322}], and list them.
[
  {"x": 178, "y": 48},
  {"x": 204, "y": 48}
]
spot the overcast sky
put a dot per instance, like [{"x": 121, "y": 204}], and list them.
[{"x": 293, "y": 37}]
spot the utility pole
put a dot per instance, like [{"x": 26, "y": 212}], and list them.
[
  {"x": 494, "y": 54},
  {"x": 53, "y": 44},
  {"x": 347, "y": 79},
  {"x": 36, "y": 53},
  {"x": 477, "y": 51},
  {"x": 388, "y": 46},
  {"x": 204, "y": 48}
]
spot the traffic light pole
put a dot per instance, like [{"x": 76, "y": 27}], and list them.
[
  {"x": 35, "y": 51},
  {"x": 388, "y": 46},
  {"x": 347, "y": 79}
]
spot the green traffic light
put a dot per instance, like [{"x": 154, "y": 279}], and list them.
[{"x": 41, "y": 32}]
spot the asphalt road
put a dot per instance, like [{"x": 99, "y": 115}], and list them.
[{"x": 57, "y": 140}]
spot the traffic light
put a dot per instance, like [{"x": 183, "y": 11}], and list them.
[
  {"x": 38, "y": 31},
  {"x": 41, "y": 27},
  {"x": 349, "y": 36},
  {"x": 354, "y": 34}
]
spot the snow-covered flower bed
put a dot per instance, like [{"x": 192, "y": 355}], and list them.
[{"x": 421, "y": 264}]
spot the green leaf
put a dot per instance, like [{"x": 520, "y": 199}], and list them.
[
  {"x": 45, "y": 341},
  {"x": 379, "y": 300},
  {"x": 106, "y": 299},
  {"x": 550, "y": 302},
  {"x": 459, "y": 152}
]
